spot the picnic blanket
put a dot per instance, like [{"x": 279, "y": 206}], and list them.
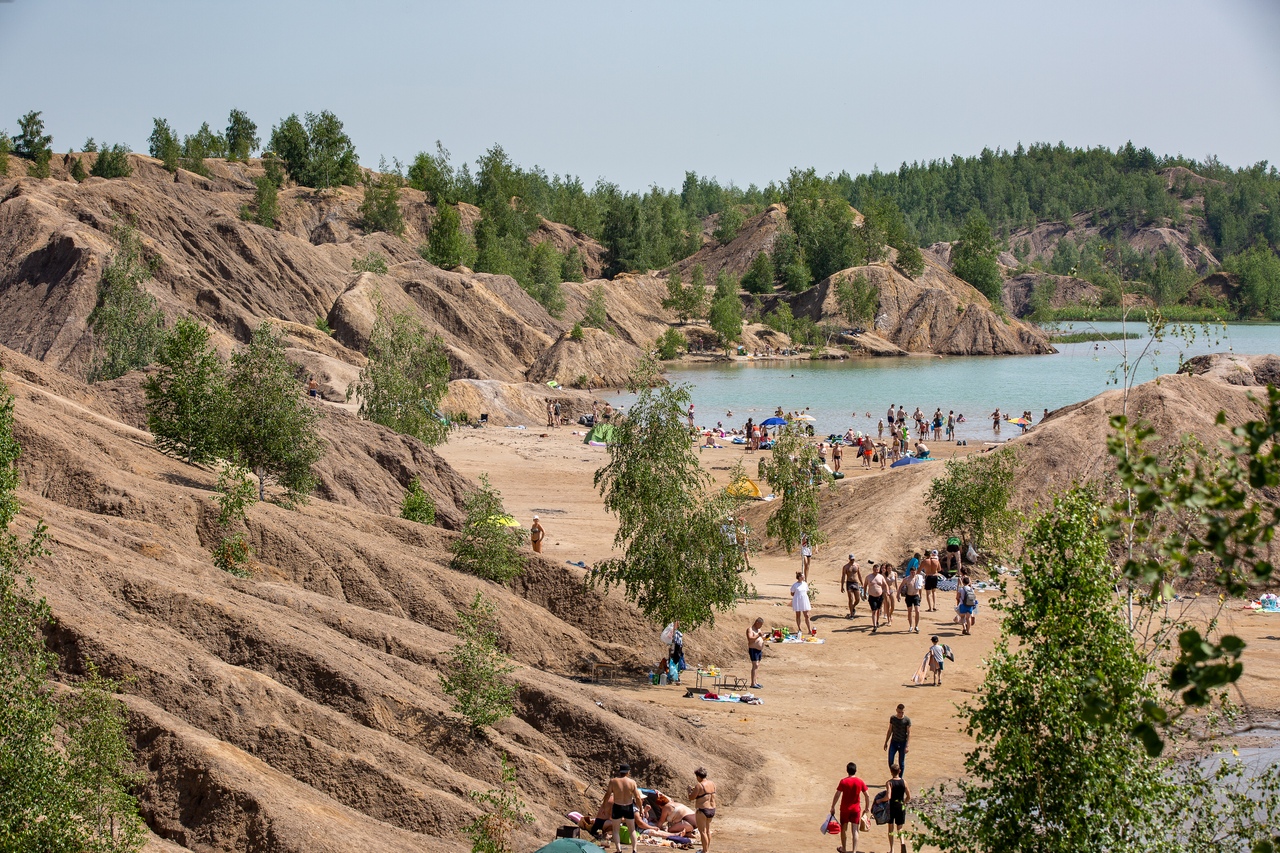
[
  {"x": 746, "y": 698},
  {"x": 794, "y": 639}
]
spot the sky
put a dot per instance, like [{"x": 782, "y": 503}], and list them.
[{"x": 640, "y": 93}]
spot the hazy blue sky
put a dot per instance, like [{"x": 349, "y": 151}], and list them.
[{"x": 641, "y": 92}]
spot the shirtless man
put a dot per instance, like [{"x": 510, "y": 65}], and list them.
[
  {"x": 851, "y": 583},
  {"x": 755, "y": 650},
  {"x": 876, "y": 588},
  {"x": 995, "y": 421},
  {"x": 932, "y": 568},
  {"x": 624, "y": 792}
]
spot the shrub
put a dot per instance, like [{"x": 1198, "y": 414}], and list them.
[
  {"x": 972, "y": 499},
  {"x": 4, "y": 153},
  {"x": 670, "y": 344},
  {"x": 857, "y": 299},
  {"x": 164, "y": 145},
  {"x": 474, "y": 673},
  {"x": 126, "y": 322},
  {"x": 446, "y": 245},
  {"x": 417, "y": 504},
  {"x": 504, "y": 812},
  {"x": 265, "y": 203},
  {"x": 729, "y": 224},
  {"x": 322, "y": 324},
  {"x": 77, "y": 170},
  {"x": 576, "y": 333},
  {"x": 112, "y": 162},
  {"x": 488, "y": 546},
  {"x": 582, "y": 381},
  {"x": 242, "y": 136},
  {"x": 405, "y": 378},
  {"x": 597, "y": 313},
  {"x": 759, "y": 277},
  {"x": 380, "y": 209},
  {"x": 185, "y": 396},
  {"x": 374, "y": 262},
  {"x": 318, "y": 153},
  {"x": 572, "y": 269}
]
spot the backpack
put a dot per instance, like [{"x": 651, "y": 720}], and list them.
[{"x": 968, "y": 598}]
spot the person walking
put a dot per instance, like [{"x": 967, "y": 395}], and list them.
[
  {"x": 876, "y": 588},
  {"x": 899, "y": 796},
  {"x": 755, "y": 649},
  {"x": 851, "y": 797},
  {"x": 897, "y": 738},
  {"x": 851, "y": 583},
  {"x": 966, "y": 604},
  {"x": 703, "y": 796},
  {"x": 995, "y": 421},
  {"x": 800, "y": 603},
  {"x": 837, "y": 454},
  {"x": 536, "y": 535},
  {"x": 932, "y": 568},
  {"x": 935, "y": 661},
  {"x": 912, "y": 586}
]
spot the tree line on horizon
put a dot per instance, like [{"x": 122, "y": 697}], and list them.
[{"x": 956, "y": 199}]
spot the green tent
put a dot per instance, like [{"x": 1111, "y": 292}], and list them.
[
  {"x": 570, "y": 845},
  {"x": 602, "y": 433}
]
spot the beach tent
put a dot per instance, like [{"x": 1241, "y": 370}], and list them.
[
  {"x": 600, "y": 434},
  {"x": 906, "y": 460},
  {"x": 744, "y": 488},
  {"x": 570, "y": 845}
]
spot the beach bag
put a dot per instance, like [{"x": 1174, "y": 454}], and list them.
[
  {"x": 864, "y": 825},
  {"x": 668, "y": 634},
  {"x": 830, "y": 826},
  {"x": 972, "y": 554},
  {"x": 880, "y": 811}
]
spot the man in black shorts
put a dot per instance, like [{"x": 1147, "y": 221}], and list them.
[
  {"x": 624, "y": 791},
  {"x": 912, "y": 587},
  {"x": 876, "y": 588},
  {"x": 931, "y": 567}
]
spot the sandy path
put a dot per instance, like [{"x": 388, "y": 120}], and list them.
[{"x": 825, "y": 704}]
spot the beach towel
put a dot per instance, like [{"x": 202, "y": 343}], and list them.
[
  {"x": 919, "y": 677},
  {"x": 794, "y": 639}
]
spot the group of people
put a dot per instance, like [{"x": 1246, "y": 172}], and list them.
[
  {"x": 651, "y": 812},
  {"x": 852, "y": 803}
]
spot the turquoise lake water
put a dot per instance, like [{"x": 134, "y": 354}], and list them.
[{"x": 840, "y": 394}]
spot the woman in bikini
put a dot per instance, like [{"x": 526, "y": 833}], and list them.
[
  {"x": 676, "y": 818},
  {"x": 703, "y": 795}
]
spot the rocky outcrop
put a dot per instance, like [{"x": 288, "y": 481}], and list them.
[
  {"x": 1236, "y": 369},
  {"x": 756, "y": 235},
  {"x": 1055, "y": 291},
  {"x": 599, "y": 360}
]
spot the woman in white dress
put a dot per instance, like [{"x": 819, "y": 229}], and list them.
[{"x": 800, "y": 602}]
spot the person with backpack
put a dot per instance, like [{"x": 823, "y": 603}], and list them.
[
  {"x": 967, "y": 604},
  {"x": 899, "y": 796}
]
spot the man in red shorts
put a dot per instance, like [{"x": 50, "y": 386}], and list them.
[{"x": 847, "y": 795}]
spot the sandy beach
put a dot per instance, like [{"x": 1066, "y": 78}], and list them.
[{"x": 824, "y": 705}]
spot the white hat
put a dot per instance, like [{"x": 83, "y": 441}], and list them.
[{"x": 535, "y": 518}]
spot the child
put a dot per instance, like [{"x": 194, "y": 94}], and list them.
[{"x": 935, "y": 661}]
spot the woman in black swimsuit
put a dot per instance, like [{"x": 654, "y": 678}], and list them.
[
  {"x": 703, "y": 795},
  {"x": 899, "y": 796}
]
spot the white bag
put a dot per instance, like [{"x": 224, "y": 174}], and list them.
[
  {"x": 971, "y": 555},
  {"x": 668, "y": 634}
]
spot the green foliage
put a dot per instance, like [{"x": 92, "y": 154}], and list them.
[
  {"x": 669, "y": 345},
  {"x": 725, "y": 314},
  {"x": 322, "y": 324},
  {"x": 1045, "y": 773},
  {"x": 759, "y": 276},
  {"x": 317, "y": 153},
  {"x": 185, "y": 395},
  {"x": 677, "y": 561},
  {"x": 164, "y": 145},
  {"x": 488, "y": 547},
  {"x": 77, "y": 170},
  {"x": 372, "y": 261},
  {"x": 794, "y": 471},
  {"x": 32, "y": 143},
  {"x": 1258, "y": 269},
  {"x": 972, "y": 499},
  {"x": 242, "y": 136},
  {"x": 265, "y": 201},
  {"x": 273, "y": 169},
  {"x": 446, "y": 246},
  {"x": 63, "y": 765},
  {"x": 199, "y": 146},
  {"x": 597, "y": 313},
  {"x": 545, "y": 264},
  {"x": 380, "y": 209},
  {"x": 729, "y": 224},
  {"x": 405, "y": 378},
  {"x": 433, "y": 175},
  {"x": 475, "y": 673},
  {"x": 126, "y": 322},
  {"x": 572, "y": 269},
  {"x": 504, "y": 813},
  {"x": 235, "y": 495},
  {"x": 857, "y": 299},
  {"x": 417, "y": 504},
  {"x": 685, "y": 301},
  {"x": 112, "y": 162},
  {"x": 780, "y": 318},
  {"x": 270, "y": 426},
  {"x": 576, "y": 333},
  {"x": 974, "y": 258}
]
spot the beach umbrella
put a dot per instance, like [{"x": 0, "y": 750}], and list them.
[
  {"x": 805, "y": 418},
  {"x": 774, "y": 422},
  {"x": 1018, "y": 421},
  {"x": 906, "y": 460},
  {"x": 570, "y": 845},
  {"x": 503, "y": 521}
]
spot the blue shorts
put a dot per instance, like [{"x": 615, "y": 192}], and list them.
[{"x": 755, "y": 655}]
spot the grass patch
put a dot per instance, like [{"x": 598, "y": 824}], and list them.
[
  {"x": 1087, "y": 337},
  {"x": 1113, "y": 313}
]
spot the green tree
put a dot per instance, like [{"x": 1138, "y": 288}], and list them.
[
  {"x": 729, "y": 224},
  {"x": 33, "y": 144},
  {"x": 669, "y": 345},
  {"x": 200, "y": 146},
  {"x": 910, "y": 260},
  {"x": 433, "y": 175},
  {"x": 112, "y": 162},
  {"x": 77, "y": 170},
  {"x": 185, "y": 396},
  {"x": 291, "y": 144},
  {"x": 266, "y": 205},
  {"x": 405, "y": 378},
  {"x": 725, "y": 315},
  {"x": 1046, "y": 774},
  {"x": 572, "y": 269},
  {"x": 972, "y": 499},
  {"x": 857, "y": 299},
  {"x": 380, "y": 209},
  {"x": 1258, "y": 269},
  {"x": 759, "y": 276},
  {"x": 164, "y": 145},
  {"x": 235, "y": 494},
  {"x": 242, "y": 136},
  {"x": 544, "y": 277},
  {"x": 446, "y": 244},
  {"x": 5, "y": 145},
  {"x": 417, "y": 504},
  {"x": 504, "y": 812},
  {"x": 488, "y": 546},
  {"x": 317, "y": 154},
  {"x": 475, "y": 673},
  {"x": 677, "y": 562},
  {"x": 685, "y": 301},
  {"x": 780, "y": 318},
  {"x": 127, "y": 325},
  {"x": 974, "y": 257},
  {"x": 270, "y": 426},
  {"x": 794, "y": 471},
  {"x": 597, "y": 313}
]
